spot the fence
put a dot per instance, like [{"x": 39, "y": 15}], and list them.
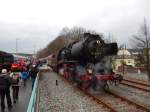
[{"x": 33, "y": 99}]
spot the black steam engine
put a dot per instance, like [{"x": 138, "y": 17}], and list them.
[{"x": 88, "y": 62}]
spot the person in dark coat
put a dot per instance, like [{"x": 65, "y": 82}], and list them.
[
  {"x": 4, "y": 89},
  {"x": 33, "y": 73}
]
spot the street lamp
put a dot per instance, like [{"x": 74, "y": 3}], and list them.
[
  {"x": 34, "y": 50},
  {"x": 124, "y": 47},
  {"x": 17, "y": 45}
]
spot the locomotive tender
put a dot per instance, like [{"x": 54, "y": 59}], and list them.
[{"x": 88, "y": 62}]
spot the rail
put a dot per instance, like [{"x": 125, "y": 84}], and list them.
[
  {"x": 147, "y": 109},
  {"x": 136, "y": 85},
  {"x": 144, "y": 83},
  {"x": 33, "y": 99}
]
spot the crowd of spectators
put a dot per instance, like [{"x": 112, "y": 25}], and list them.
[{"x": 13, "y": 79}]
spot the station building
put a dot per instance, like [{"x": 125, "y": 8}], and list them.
[{"x": 124, "y": 57}]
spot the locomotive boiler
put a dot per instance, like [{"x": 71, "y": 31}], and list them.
[
  {"x": 91, "y": 48},
  {"x": 88, "y": 62}
]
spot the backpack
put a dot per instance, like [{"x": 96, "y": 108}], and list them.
[
  {"x": 24, "y": 75},
  {"x": 15, "y": 78}
]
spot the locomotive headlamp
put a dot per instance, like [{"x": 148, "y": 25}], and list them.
[
  {"x": 90, "y": 71},
  {"x": 98, "y": 42}
]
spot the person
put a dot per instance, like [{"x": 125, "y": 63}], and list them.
[
  {"x": 33, "y": 73},
  {"x": 4, "y": 89},
  {"x": 28, "y": 64},
  {"x": 15, "y": 81},
  {"x": 139, "y": 71},
  {"x": 24, "y": 76}
]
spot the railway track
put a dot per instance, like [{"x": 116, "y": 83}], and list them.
[
  {"x": 114, "y": 102},
  {"x": 105, "y": 105},
  {"x": 122, "y": 104},
  {"x": 65, "y": 98},
  {"x": 137, "y": 84}
]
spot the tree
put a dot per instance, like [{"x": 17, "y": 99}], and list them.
[
  {"x": 142, "y": 41},
  {"x": 110, "y": 38},
  {"x": 65, "y": 37},
  {"x": 73, "y": 34}
]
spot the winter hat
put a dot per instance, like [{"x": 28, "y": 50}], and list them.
[{"x": 4, "y": 71}]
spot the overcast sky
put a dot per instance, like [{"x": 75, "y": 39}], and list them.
[{"x": 34, "y": 23}]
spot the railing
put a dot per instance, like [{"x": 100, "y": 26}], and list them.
[{"x": 33, "y": 99}]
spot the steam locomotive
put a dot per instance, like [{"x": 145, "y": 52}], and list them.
[{"x": 88, "y": 62}]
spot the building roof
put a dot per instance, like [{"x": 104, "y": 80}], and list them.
[
  {"x": 135, "y": 51},
  {"x": 124, "y": 52}
]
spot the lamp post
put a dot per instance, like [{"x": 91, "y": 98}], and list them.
[
  {"x": 17, "y": 45},
  {"x": 34, "y": 50},
  {"x": 123, "y": 70}
]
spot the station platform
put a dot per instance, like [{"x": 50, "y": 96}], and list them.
[{"x": 24, "y": 97}]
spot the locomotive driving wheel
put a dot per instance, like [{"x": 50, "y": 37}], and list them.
[
  {"x": 106, "y": 87},
  {"x": 101, "y": 86}
]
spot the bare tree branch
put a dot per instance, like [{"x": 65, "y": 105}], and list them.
[
  {"x": 139, "y": 39},
  {"x": 142, "y": 41}
]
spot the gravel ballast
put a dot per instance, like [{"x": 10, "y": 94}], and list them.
[{"x": 63, "y": 97}]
